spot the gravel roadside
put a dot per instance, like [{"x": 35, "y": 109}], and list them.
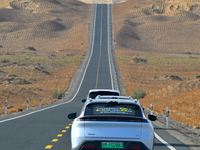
[{"x": 184, "y": 133}]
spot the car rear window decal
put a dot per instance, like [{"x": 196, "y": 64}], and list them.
[
  {"x": 121, "y": 110},
  {"x": 105, "y": 109}
]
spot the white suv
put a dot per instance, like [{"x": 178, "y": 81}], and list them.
[
  {"x": 95, "y": 92},
  {"x": 112, "y": 124}
]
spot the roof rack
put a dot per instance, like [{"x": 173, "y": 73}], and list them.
[
  {"x": 136, "y": 101},
  {"x": 114, "y": 97}
]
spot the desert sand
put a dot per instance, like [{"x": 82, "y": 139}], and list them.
[
  {"x": 157, "y": 46},
  {"x": 42, "y": 43},
  {"x": 103, "y": 1}
]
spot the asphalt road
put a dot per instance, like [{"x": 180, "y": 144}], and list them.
[{"x": 49, "y": 127}]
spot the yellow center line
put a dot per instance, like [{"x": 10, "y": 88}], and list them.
[
  {"x": 54, "y": 140},
  {"x": 100, "y": 49},
  {"x": 59, "y": 135},
  {"x": 48, "y": 147}
]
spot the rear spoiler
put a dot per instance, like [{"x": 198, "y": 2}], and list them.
[{"x": 113, "y": 118}]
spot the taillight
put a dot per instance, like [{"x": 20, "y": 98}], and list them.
[
  {"x": 144, "y": 120},
  {"x": 89, "y": 146},
  {"x": 135, "y": 148},
  {"x": 80, "y": 119}
]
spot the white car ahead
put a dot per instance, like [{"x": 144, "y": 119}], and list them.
[
  {"x": 92, "y": 94},
  {"x": 112, "y": 124}
]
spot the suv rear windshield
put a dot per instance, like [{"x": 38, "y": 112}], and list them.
[
  {"x": 113, "y": 109},
  {"x": 94, "y": 94}
]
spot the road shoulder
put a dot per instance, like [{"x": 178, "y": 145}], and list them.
[{"x": 185, "y": 134}]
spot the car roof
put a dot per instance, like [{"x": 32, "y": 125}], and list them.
[
  {"x": 105, "y": 90},
  {"x": 114, "y": 97},
  {"x": 120, "y": 99}
]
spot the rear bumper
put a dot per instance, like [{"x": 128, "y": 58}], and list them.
[{"x": 97, "y": 146}]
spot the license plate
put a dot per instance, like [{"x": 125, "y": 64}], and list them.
[{"x": 118, "y": 145}]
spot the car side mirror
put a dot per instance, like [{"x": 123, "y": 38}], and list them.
[
  {"x": 152, "y": 117},
  {"x": 72, "y": 116},
  {"x": 83, "y": 100}
]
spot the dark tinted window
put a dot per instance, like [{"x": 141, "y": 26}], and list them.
[
  {"x": 113, "y": 109},
  {"x": 94, "y": 94}
]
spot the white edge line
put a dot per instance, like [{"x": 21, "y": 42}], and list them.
[
  {"x": 109, "y": 57},
  {"x": 78, "y": 87},
  {"x": 164, "y": 142}
]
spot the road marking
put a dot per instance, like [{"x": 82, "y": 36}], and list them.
[
  {"x": 70, "y": 124},
  {"x": 164, "y": 142},
  {"x": 67, "y": 127},
  {"x": 59, "y": 135},
  {"x": 99, "y": 49},
  {"x": 54, "y": 140},
  {"x": 48, "y": 147}
]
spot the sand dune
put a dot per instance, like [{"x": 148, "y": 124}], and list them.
[
  {"x": 103, "y": 1},
  {"x": 159, "y": 27},
  {"x": 26, "y": 22},
  {"x": 14, "y": 15},
  {"x": 51, "y": 25},
  {"x": 6, "y": 27},
  {"x": 166, "y": 35}
]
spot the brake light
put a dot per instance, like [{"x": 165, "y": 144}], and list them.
[
  {"x": 144, "y": 120},
  {"x": 135, "y": 148},
  {"x": 89, "y": 146}
]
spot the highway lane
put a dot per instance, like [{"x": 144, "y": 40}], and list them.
[
  {"x": 98, "y": 71},
  {"x": 50, "y": 128}
]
